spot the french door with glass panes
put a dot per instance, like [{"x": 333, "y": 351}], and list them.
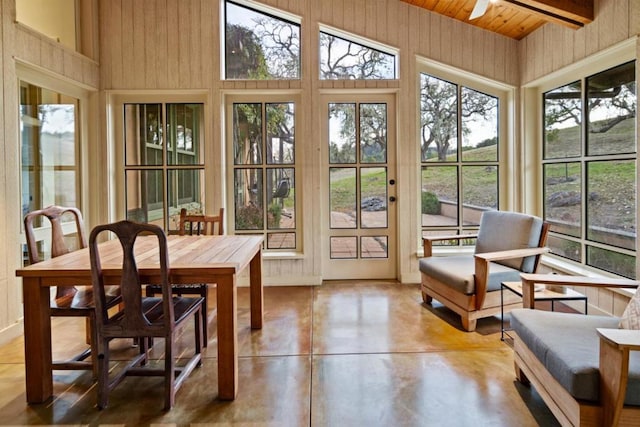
[{"x": 359, "y": 187}]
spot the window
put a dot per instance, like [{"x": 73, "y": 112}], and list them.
[
  {"x": 589, "y": 169},
  {"x": 164, "y": 168},
  {"x": 260, "y": 46},
  {"x": 344, "y": 59},
  {"x": 459, "y": 148},
  {"x": 264, "y": 179},
  {"x": 49, "y": 147}
]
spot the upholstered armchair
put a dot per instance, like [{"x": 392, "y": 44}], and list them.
[{"x": 507, "y": 244}]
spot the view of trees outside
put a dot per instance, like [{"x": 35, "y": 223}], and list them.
[
  {"x": 358, "y": 178},
  {"x": 342, "y": 59},
  {"x": 264, "y": 170},
  {"x": 589, "y": 176},
  {"x": 260, "y": 46},
  {"x": 456, "y": 119}
]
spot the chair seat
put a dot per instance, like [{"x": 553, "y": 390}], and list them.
[
  {"x": 567, "y": 345},
  {"x": 459, "y": 273},
  {"x": 182, "y": 308},
  {"x": 80, "y": 301},
  {"x": 188, "y": 289}
]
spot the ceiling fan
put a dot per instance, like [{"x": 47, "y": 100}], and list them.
[{"x": 479, "y": 9}]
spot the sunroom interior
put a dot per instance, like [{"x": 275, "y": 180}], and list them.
[{"x": 343, "y": 131}]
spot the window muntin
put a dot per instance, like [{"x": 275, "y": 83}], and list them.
[
  {"x": 264, "y": 178},
  {"x": 260, "y": 46},
  {"x": 164, "y": 166},
  {"x": 456, "y": 189},
  {"x": 49, "y": 148},
  {"x": 590, "y": 170},
  {"x": 343, "y": 59}
]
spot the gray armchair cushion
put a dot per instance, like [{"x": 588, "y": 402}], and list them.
[
  {"x": 458, "y": 272},
  {"x": 568, "y": 345},
  {"x": 500, "y": 231}
]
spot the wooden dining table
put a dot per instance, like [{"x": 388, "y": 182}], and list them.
[{"x": 192, "y": 259}]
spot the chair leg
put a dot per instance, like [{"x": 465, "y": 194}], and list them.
[
  {"x": 468, "y": 325},
  {"x": 169, "y": 373},
  {"x": 205, "y": 319},
  {"x": 426, "y": 298},
  {"x": 93, "y": 330},
  {"x": 103, "y": 375}
]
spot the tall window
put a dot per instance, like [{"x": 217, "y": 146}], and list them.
[
  {"x": 264, "y": 180},
  {"x": 164, "y": 168},
  {"x": 344, "y": 59},
  {"x": 259, "y": 45},
  {"x": 459, "y": 148},
  {"x": 50, "y": 148},
  {"x": 590, "y": 169}
]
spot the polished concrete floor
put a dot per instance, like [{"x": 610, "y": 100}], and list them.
[{"x": 340, "y": 354}]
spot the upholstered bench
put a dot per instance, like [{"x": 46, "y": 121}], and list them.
[
  {"x": 585, "y": 368},
  {"x": 567, "y": 345}
]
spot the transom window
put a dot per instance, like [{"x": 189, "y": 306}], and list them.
[
  {"x": 459, "y": 148},
  {"x": 342, "y": 58},
  {"x": 590, "y": 169},
  {"x": 260, "y": 45}
]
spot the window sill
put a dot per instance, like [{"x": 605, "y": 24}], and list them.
[
  {"x": 281, "y": 255},
  {"x": 571, "y": 268}
]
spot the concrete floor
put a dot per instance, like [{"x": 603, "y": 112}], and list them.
[{"x": 340, "y": 354}]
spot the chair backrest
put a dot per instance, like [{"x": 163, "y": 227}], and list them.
[
  {"x": 502, "y": 230},
  {"x": 131, "y": 321},
  {"x": 58, "y": 238},
  {"x": 193, "y": 224}
]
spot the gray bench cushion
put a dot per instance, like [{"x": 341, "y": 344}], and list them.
[
  {"x": 458, "y": 272},
  {"x": 568, "y": 346}
]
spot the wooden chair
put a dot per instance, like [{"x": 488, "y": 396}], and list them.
[
  {"x": 584, "y": 367},
  {"x": 507, "y": 244},
  {"x": 192, "y": 224},
  {"x": 69, "y": 301},
  {"x": 142, "y": 318}
]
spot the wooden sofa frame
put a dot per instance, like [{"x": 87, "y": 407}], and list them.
[
  {"x": 615, "y": 346},
  {"x": 481, "y": 303}
]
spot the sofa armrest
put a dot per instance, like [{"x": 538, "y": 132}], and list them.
[
  {"x": 529, "y": 281},
  {"x": 482, "y": 267},
  {"x": 427, "y": 242},
  {"x": 615, "y": 346}
]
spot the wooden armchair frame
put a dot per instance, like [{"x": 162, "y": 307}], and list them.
[
  {"x": 481, "y": 303},
  {"x": 615, "y": 347}
]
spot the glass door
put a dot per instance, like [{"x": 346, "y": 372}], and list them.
[{"x": 359, "y": 175}]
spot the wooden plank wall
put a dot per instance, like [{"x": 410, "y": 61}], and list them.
[
  {"x": 552, "y": 47},
  {"x": 22, "y": 44}
]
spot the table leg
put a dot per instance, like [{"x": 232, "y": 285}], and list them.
[
  {"x": 256, "y": 297},
  {"x": 37, "y": 340},
  {"x": 227, "y": 300},
  {"x": 528, "y": 296}
]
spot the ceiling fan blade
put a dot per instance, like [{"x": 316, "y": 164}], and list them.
[{"x": 479, "y": 9}]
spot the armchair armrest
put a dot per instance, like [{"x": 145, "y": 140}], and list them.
[
  {"x": 427, "y": 242},
  {"x": 482, "y": 267},
  {"x": 615, "y": 346},
  {"x": 530, "y": 279}
]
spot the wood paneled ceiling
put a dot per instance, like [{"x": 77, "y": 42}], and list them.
[{"x": 514, "y": 18}]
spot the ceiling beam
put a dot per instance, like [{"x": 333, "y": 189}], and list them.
[{"x": 572, "y": 13}]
